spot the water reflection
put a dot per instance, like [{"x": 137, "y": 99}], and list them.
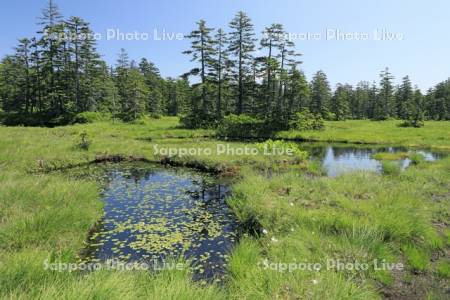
[
  {"x": 337, "y": 159},
  {"x": 152, "y": 214}
]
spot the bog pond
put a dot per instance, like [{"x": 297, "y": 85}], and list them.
[
  {"x": 155, "y": 214},
  {"x": 340, "y": 158}
]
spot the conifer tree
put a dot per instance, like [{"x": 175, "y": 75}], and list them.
[
  {"x": 320, "y": 95},
  {"x": 384, "y": 106},
  {"x": 242, "y": 45},
  {"x": 438, "y": 100},
  {"x": 403, "y": 98},
  {"x": 298, "y": 93},
  {"x": 271, "y": 41},
  {"x": 360, "y": 102},
  {"x": 221, "y": 66},
  {"x": 203, "y": 52},
  {"x": 340, "y": 102}
]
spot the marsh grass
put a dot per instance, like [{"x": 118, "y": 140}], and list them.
[
  {"x": 390, "y": 155},
  {"x": 390, "y": 168},
  {"x": 443, "y": 269},
  {"x": 84, "y": 141},
  {"x": 353, "y": 217},
  {"x": 416, "y": 158},
  {"x": 306, "y": 217},
  {"x": 417, "y": 258},
  {"x": 433, "y": 134}
]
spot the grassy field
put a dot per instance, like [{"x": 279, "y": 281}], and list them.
[
  {"x": 433, "y": 135},
  {"x": 399, "y": 218}
]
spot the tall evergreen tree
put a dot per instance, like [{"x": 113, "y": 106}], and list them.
[
  {"x": 242, "y": 45},
  {"x": 23, "y": 61},
  {"x": 320, "y": 95},
  {"x": 203, "y": 52},
  {"x": 340, "y": 102},
  {"x": 271, "y": 41},
  {"x": 384, "y": 106},
  {"x": 414, "y": 110},
  {"x": 155, "y": 85},
  {"x": 438, "y": 101},
  {"x": 50, "y": 14},
  {"x": 360, "y": 102},
  {"x": 287, "y": 58},
  {"x": 298, "y": 93},
  {"x": 221, "y": 66},
  {"x": 373, "y": 101},
  {"x": 403, "y": 97}
]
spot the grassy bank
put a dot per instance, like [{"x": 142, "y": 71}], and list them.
[
  {"x": 433, "y": 134},
  {"x": 355, "y": 217}
]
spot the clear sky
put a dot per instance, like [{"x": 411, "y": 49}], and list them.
[{"x": 413, "y": 36}]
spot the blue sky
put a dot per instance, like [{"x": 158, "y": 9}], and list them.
[{"x": 420, "y": 48}]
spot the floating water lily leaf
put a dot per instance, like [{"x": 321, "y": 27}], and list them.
[{"x": 159, "y": 213}]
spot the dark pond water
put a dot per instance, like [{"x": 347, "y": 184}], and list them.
[
  {"x": 152, "y": 214},
  {"x": 337, "y": 159}
]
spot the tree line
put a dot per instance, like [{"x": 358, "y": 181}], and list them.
[
  {"x": 59, "y": 73},
  {"x": 238, "y": 74}
]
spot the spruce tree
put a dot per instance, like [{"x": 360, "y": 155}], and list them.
[
  {"x": 203, "y": 52},
  {"x": 403, "y": 98},
  {"x": 384, "y": 106},
  {"x": 220, "y": 73},
  {"x": 298, "y": 93},
  {"x": 23, "y": 61},
  {"x": 340, "y": 102},
  {"x": 439, "y": 101},
  {"x": 156, "y": 105},
  {"x": 271, "y": 41},
  {"x": 320, "y": 95},
  {"x": 242, "y": 45},
  {"x": 360, "y": 102}
]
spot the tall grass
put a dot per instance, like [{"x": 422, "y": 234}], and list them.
[{"x": 390, "y": 168}]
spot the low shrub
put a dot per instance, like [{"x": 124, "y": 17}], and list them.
[
  {"x": 412, "y": 123},
  {"x": 243, "y": 126},
  {"x": 141, "y": 120},
  {"x": 90, "y": 117},
  {"x": 35, "y": 119},
  {"x": 194, "y": 121},
  {"x": 306, "y": 120},
  {"x": 84, "y": 142}
]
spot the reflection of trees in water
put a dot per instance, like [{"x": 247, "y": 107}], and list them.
[
  {"x": 316, "y": 151},
  {"x": 321, "y": 152},
  {"x": 136, "y": 174},
  {"x": 358, "y": 152},
  {"x": 147, "y": 204}
]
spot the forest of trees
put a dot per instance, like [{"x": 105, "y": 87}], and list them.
[{"x": 58, "y": 74}]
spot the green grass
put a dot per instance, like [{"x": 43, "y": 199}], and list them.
[
  {"x": 390, "y": 155},
  {"x": 416, "y": 158},
  {"x": 433, "y": 134},
  {"x": 443, "y": 269},
  {"x": 390, "y": 168},
  {"x": 417, "y": 258},
  {"x": 306, "y": 217}
]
